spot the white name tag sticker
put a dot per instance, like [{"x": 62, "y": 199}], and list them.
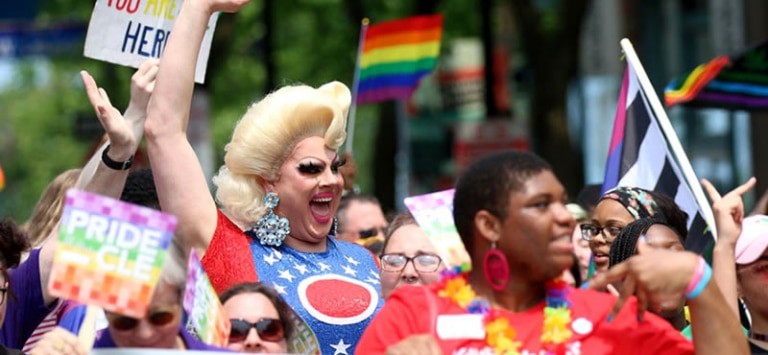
[{"x": 460, "y": 326}]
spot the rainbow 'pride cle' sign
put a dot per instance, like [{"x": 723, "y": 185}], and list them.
[
  {"x": 109, "y": 253},
  {"x": 205, "y": 313}
]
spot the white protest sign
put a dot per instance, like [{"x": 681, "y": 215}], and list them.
[{"x": 128, "y": 32}]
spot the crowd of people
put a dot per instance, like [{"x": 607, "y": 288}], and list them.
[{"x": 302, "y": 265}]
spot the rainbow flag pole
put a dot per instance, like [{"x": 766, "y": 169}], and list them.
[
  {"x": 392, "y": 58},
  {"x": 355, "y": 87}
]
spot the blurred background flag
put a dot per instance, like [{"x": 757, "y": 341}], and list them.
[
  {"x": 735, "y": 82},
  {"x": 395, "y": 55},
  {"x": 645, "y": 152},
  {"x": 2, "y": 179}
]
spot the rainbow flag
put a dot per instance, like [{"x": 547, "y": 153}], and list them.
[
  {"x": 395, "y": 55},
  {"x": 736, "y": 82}
]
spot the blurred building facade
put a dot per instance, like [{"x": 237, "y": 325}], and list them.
[
  {"x": 671, "y": 37},
  {"x": 449, "y": 124}
]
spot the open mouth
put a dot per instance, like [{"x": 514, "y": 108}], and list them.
[
  {"x": 320, "y": 207},
  {"x": 601, "y": 258}
]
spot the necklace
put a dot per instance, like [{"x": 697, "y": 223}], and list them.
[{"x": 498, "y": 333}]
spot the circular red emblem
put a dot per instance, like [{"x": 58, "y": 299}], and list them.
[{"x": 337, "y": 299}]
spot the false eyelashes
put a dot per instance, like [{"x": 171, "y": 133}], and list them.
[{"x": 317, "y": 168}]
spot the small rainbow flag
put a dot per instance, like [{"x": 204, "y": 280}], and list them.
[
  {"x": 737, "y": 82},
  {"x": 395, "y": 55}
]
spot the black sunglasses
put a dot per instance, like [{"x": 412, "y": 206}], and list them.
[
  {"x": 371, "y": 232},
  {"x": 158, "y": 319},
  {"x": 268, "y": 329}
]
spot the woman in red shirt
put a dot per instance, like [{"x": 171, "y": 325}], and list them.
[{"x": 509, "y": 209}]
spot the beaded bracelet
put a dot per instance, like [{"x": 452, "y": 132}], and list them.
[{"x": 699, "y": 280}]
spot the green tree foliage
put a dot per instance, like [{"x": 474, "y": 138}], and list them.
[{"x": 310, "y": 41}]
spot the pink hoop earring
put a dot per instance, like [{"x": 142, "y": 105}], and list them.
[{"x": 496, "y": 268}]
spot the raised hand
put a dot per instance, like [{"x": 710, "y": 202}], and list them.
[
  {"x": 227, "y": 5},
  {"x": 729, "y": 213},
  {"x": 58, "y": 341},
  {"x": 653, "y": 276},
  {"x": 142, "y": 85},
  {"x": 728, "y": 210},
  {"x": 122, "y": 139}
]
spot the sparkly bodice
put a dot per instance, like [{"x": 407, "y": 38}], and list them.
[{"x": 336, "y": 292}]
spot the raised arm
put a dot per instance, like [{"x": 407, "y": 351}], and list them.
[
  {"x": 124, "y": 135},
  {"x": 729, "y": 212},
  {"x": 179, "y": 179}
]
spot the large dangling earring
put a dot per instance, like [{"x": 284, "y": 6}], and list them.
[
  {"x": 496, "y": 268},
  {"x": 271, "y": 229}
]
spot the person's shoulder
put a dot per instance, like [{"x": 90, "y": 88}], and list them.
[
  {"x": 226, "y": 225},
  {"x": 30, "y": 264},
  {"x": 419, "y": 296},
  {"x": 592, "y": 302},
  {"x": 596, "y": 306},
  {"x": 351, "y": 249}
]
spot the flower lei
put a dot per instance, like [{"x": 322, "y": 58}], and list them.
[{"x": 498, "y": 333}]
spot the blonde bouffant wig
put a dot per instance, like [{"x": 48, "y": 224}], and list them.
[{"x": 267, "y": 134}]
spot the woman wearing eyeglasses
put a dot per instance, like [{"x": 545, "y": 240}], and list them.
[
  {"x": 408, "y": 256},
  {"x": 619, "y": 207},
  {"x": 161, "y": 327},
  {"x": 259, "y": 318},
  {"x": 99, "y": 176}
]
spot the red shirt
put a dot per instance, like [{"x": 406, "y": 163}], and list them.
[
  {"x": 228, "y": 261},
  {"x": 412, "y": 310}
]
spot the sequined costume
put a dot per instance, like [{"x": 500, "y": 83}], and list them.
[{"x": 335, "y": 292}]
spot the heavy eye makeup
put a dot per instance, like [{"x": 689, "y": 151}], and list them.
[
  {"x": 311, "y": 167},
  {"x": 338, "y": 163}
]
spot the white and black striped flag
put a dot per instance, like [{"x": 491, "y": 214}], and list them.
[{"x": 645, "y": 152}]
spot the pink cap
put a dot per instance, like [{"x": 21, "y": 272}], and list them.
[{"x": 753, "y": 239}]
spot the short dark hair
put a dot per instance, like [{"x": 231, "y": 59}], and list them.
[
  {"x": 487, "y": 184},
  {"x": 283, "y": 309},
  {"x": 140, "y": 189},
  {"x": 399, "y": 220},
  {"x": 13, "y": 242},
  {"x": 589, "y": 196},
  {"x": 347, "y": 199}
]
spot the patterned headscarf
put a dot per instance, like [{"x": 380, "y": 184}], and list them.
[{"x": 638, "y": 202}]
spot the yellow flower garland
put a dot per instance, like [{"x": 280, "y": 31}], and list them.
[{"x": 499, "y": 334}]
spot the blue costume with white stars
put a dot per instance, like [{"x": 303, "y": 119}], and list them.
[{"x": 336, "y": 292}]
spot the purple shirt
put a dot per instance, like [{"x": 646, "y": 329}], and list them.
[
  {"x": 23, "y": 314},
  {"x": 192, "y": 343}
]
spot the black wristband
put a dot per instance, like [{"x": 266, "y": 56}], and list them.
[{"x": 116, "y": 165}]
